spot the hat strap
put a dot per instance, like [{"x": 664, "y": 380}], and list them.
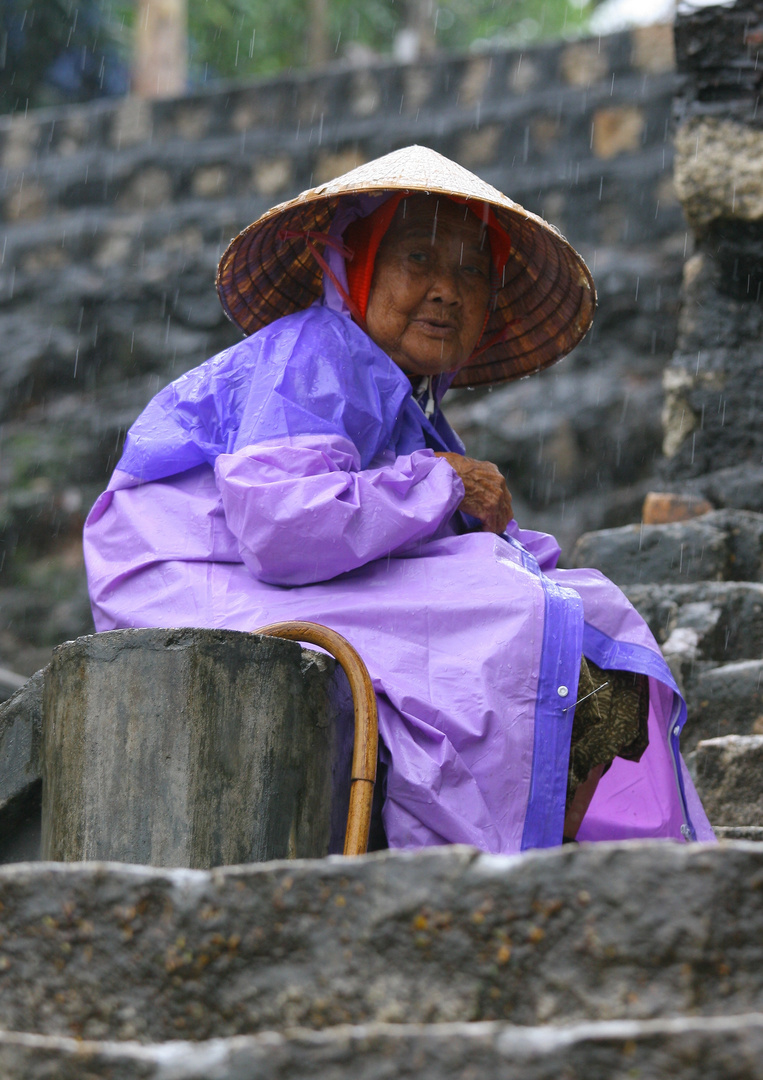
[
  {"x": 310, "y": 235},
  {"x": 496, "y": 339}
]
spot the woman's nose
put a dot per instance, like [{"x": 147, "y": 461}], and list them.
[{"x": 444, "y": 287}]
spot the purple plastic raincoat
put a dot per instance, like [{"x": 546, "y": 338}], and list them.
[{"x": 293, "y": 477}]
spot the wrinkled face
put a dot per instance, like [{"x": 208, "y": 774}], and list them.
[{"x": 431, "y": 286}]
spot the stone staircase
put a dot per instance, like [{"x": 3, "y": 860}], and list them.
[
  {"x": 699, "y": 586},
  {"x": 643, "y": 959},
  {"x": 637, "y": 959}
]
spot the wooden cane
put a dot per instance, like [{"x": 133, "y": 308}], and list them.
[{"x": 366, "y": 722}]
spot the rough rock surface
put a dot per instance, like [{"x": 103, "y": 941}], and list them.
[
  {"x": 725, "y": 700},
  {"x": 717, "y": 1048},
  {"x": 726, "y": 618},
  {"x": 717, "y": 171},
  {"x": 21, "y": 771},
  {"x": 720, "y": 546},
  {"x": 728, "y": 772},
  {"x": 193, "y": 748},
  {"x": 20, "y": 741},
  {"x": 712, "y": 383},
  {"x": 739, "y": 832},
  {"x": 637, "y": 931}
]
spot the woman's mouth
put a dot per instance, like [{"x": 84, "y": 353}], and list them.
[{"x": 436, "y": 328}]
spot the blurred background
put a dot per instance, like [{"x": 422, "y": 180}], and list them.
[
  {"x": 54, "y": 51},
  {"x": 137, "y": 138}
]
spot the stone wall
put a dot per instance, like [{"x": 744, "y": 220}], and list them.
[
  {"x": 714, "y": 383},
  {"x": 115, "y": 214}
]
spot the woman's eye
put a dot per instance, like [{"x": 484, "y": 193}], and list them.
[
  {"x": 474, "y": 271},
  {"x": 417, "y": 256}
]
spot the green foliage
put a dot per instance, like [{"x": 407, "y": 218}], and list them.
[
  {"x": 464, "y": 23},
  {"x": 242, "y": 38},
  {"x": 239, "y": 38},
  {"x": 59, "y": 50}
]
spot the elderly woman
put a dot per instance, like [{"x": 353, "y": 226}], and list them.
[{"x": 308, "y": 473}]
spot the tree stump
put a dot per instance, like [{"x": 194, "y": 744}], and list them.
[{"x": 193, "y": 748}]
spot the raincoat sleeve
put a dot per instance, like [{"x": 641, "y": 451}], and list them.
[
  {"x": 303, "y": 511},
  {"x": 299, "y": 422},
  {"x": 309, "y": 484}
]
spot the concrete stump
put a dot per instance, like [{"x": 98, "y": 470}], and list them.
[{"x": 193, "y": 748}]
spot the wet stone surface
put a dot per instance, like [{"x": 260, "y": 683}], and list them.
[
  {"x": 727, "y": 1048},
  {"x": 593, "y": 932},
  {"x": 720, "y": 546},
  {"x": 719, "y": 622},
  {"x": 728, "y": 772},
  {"x": 727, "y": 700}
]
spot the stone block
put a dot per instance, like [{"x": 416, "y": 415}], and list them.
[
  {"x": 44, "y": 259},
  {"x": 745, "y": 532},
  {"x": 210, "y": 181},
  {"x": 633, "y": 931},
  {"x": 132, "y": 123},
  {"x": 193, "y": 121},
  {"x": 717, "y": 171},
  {"x": 418, "y": 85},
  {"x": 471, "y": 87},
  {"x": 523, "y": 75},
  {"x": 148, "y": 189},
  {"x": 330, "y": 165},
  {"x": 29, "y": 202},
  {"x": 738, "y": 486},
  {"x": 662, "y": 508},
  {"x": 366, "y": 93},
  {"x": 681, "y": 552},
  {"x": 272, "y": 177},
  {"x": 729, "y": 1048},
  {"x": 653, "y": 48},
  {"x": 20, "y": 736},
  {"x": 191, "y": 748},
  {"x": 726, "y": 617},
  {"x": 478, "y": 148},
  {"x": 21, "y": 771},
  {"x": 728, "y": 773},
  {"x": 726, "y": 700},
  {"x": 584, "y": 63},
  {"x": 720, "y": 545},
  {"x": 20, "y": 144},
  {"x": 617, "y": 130}
]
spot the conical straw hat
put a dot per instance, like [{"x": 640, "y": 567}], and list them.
[{"x": 548, "y": 298}]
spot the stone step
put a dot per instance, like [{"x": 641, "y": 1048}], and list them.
[
  {"x": 720, "y": 546},
  {"x": 714, "y": 622},
  {"x": 728, "y": 773},
  {"x": 740, "y": 832},
  {"x": 726, "y": 700},
  {"x": 589, "y": 932},
  {"x": 729, "y": 1048}
]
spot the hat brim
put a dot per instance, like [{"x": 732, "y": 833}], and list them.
[{"x": 547, "y": 300}]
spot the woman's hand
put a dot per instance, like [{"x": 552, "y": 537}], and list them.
[{"x": 486, "y": 496}]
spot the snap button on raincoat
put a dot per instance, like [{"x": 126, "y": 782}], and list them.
[{"x": 293, "y": 476}]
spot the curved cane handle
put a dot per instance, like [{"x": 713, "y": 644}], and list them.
[{"x": 366, "y": 722}]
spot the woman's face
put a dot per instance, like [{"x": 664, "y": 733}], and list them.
[{"x": 431, "y": 286}]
